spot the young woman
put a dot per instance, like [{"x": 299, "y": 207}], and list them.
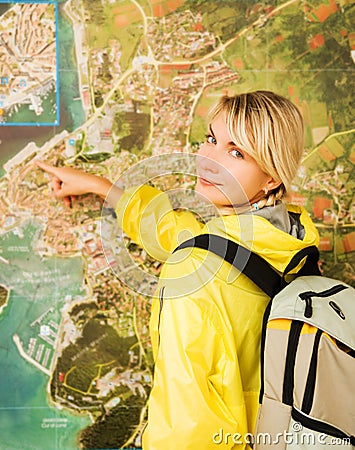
[{"x": 206, "y": 317}]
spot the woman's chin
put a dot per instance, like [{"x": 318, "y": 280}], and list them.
[{"x": 208, "y": 195}]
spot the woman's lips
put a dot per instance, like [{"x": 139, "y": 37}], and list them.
[{"x": 207, "y": 182}]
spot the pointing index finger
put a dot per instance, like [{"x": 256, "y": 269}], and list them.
[{"x": 47, "y": 167}]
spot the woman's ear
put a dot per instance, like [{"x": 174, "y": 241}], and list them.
[{"x": 272, "y": 184}]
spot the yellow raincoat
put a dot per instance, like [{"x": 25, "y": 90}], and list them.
[{"x": 206, "y": 339}]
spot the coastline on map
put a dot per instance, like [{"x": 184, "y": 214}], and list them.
[
  {"x": 32, "y": 148},
  {"x": 71, "y": 109},
  {"x": 67, "y": 425}
]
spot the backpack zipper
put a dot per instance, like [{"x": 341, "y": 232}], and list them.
[{"x": 307, "y": 297}]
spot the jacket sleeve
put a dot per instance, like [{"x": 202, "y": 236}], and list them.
[
  {"x": 194, "y": 363},
  {"x": 146, "y": 215}
]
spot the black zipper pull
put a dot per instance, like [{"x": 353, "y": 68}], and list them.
[
  {"x": 337, "y": 309},
  {"x": 307, "y": 297}
]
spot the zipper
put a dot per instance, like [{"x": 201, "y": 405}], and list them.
[
  {"x": 337, "y": 309},
  {"x": 320, "y": 427},
  {"x": 307, "y": 297}
]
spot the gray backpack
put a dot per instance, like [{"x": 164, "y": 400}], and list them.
[{"x": 307, "y": 396}]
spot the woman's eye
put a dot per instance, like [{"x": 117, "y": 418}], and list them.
[
  {"x": 236, "y": 153},
  {"x": 211, "y": 139}
]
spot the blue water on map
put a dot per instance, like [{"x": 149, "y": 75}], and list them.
[
  {"x": 28, "y": 421},
  {"x": 68, "y": 75}
]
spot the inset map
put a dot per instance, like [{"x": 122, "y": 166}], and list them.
[{"x": 29, "y": 93}]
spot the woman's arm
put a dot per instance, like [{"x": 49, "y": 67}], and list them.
[
  {"x": 68, "y": 182},
  {"x": 144, "y": 213},
  {"x": 147, "y": 216}
]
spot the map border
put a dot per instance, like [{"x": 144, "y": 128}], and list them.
[{"x": 56, "y": 16}]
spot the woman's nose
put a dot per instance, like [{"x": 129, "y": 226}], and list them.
[{"x": 206, "y": 161}]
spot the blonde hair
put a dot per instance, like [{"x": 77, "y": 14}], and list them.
[{"x": 270, "y": 129}]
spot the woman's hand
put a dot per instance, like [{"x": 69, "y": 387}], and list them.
[{"x": 68, "y": 182}]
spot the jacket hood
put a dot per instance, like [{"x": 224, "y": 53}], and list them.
[{"x": 260, "y": 235}]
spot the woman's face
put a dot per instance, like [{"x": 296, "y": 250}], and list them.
[{"x": 227, "y": 176}]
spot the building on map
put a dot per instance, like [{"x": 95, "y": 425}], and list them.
[{"x": 319, "y": 205}]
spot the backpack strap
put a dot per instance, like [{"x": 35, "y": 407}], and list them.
[
  {"x": 247, "y": 262},
  {"x": 310, "y": 266},
  {"x": 253, "y": 265}
]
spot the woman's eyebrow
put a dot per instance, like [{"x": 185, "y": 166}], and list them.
[{"x": 230, "y": 143}]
